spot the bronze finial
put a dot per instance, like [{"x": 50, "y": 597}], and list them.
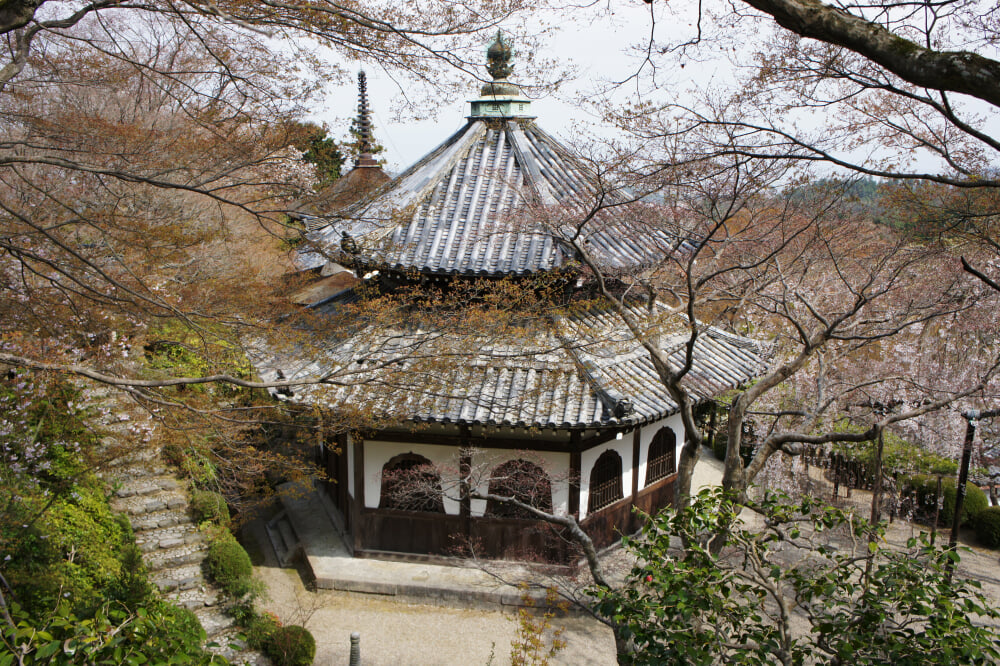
[{"x": 498, "y": 57}]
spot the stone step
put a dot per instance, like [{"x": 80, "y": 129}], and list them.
[
  {"x": 194, "y": 598},
  {"x": 150, "y": 485},
  {"x": 183, "y": 577},
  {"x": 164, "y": 538},
  {"x": 144, "y": 455},
  {"x": 160, "y": 519},
  {"x": 120, "y": 473},
  {"x": 214, "y": 620},
  {"x": 178, "y": 579},
  {"x": 175, "y": 557},
  {"x": 159, "y": 500},
  {"x": 230, "y": 644}
]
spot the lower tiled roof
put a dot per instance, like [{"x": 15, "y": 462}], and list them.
[{"x": 573, "y": 369}]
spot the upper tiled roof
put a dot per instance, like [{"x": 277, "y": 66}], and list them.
[
  {"x": 462, "y": 210},
  {"x": 578, "y": 369}
]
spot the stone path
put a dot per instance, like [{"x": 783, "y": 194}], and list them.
[{"x": 156, "y": 503}]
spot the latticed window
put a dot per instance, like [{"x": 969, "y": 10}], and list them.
[
  {"x": 605, "y": 481},
  {"x": 524, "y": 481},
  {"x": 661, "y": 461},
  {"x": 411, "y": 483}
]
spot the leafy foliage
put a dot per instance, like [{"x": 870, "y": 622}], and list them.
[
  {"x": 58, "y": 536},
  {"x": 537, "y": 641},
  {"x": 229, "y": 565},
  {"x": 258, "y": 626},
  {"x": 159, "y": 634},
  {"x": 210, "y": 506},
  {"x": 320, "y": 150},
  {"x": 730, "y": 595},
  {"x": 291, "y": 645},
  {"x": 899, "y": 455}
]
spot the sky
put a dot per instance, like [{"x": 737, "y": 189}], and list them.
[{"x": 597, "y": 51}]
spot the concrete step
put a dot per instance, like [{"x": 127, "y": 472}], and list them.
[{"x": 284, "y": 540}]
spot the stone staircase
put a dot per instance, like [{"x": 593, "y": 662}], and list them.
[{"x": 157, "y": 506}]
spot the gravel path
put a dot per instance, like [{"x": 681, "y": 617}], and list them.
[{"x": 401, "y": 634}]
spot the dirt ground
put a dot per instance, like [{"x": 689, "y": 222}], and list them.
[{"x": 396, "y": 633}]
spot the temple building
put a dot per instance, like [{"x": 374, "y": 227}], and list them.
[{"x": 559, "y": 406}]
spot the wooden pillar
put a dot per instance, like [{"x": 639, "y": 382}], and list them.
[
  {"x": 633, "y": 521},
  {"x": 464, "y": 470},
  {"x": 635, "y": 462},
  {"x": 574, "y": 475},
  {"x": 359, "y": 490}
]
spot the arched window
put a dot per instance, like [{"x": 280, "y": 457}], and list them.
[
  {"x": 524, "y": 481},
  {"x": 605, "y": 481},
  {"x": 661, "y": 461},
  {"x": 411, "y": 483}
]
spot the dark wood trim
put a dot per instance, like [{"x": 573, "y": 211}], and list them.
[
  {"x": 359, "y": 490},
  {"x": 575, "y": 443},
  {"x": 635, "y": 461}
]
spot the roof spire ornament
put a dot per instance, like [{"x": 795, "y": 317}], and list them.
[
  {"x": 500, "y": 98},
  {"x": 498, "y": 57},
  {"x": 364, "y": 125}
]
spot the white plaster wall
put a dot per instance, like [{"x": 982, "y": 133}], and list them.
[
  {"x": 675, "y": 423},
  {"x": 555, "y": 464},
  {"x": 377, "y": 454},
  {"x": 623, "y": 447},
  {"x": 350, "y": 465}
]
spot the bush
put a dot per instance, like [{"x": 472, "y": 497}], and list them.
[
  {"x": 258, "y": 627},
  {"x": 291, "y": 646},
  {"x": 210, "y": 506},
  {"x": 898, "y": 455},
  {"x": 987, "y": 524},
  {"x": 720, "y": 444},
  {"x": 229, "y": 565},
  {"x": 925, "y": 488}
]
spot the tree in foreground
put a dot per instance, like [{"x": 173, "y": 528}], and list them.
[{"x": 799, "y": 583}]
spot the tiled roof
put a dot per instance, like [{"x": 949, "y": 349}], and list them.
[
  {"x": 461, "y": 210},
  {"x": 572, "y": 370}
]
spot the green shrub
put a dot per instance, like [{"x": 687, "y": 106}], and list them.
[
  {"x": 209, "y": 506},
  {"x": 987, "y": 524},
  {"x": 180, "y": 622},
  {"x": 291, "y": 646},
  {"x": 260, "y": 629},
  {"x": 229, "y": 565},
  {"x": 926, "y": 492},
  {"x": 720, "y": 444},
  {"x": 898, "y": 455}
]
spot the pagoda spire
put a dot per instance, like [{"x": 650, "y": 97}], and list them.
[{"x": 364, "y": 125}]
